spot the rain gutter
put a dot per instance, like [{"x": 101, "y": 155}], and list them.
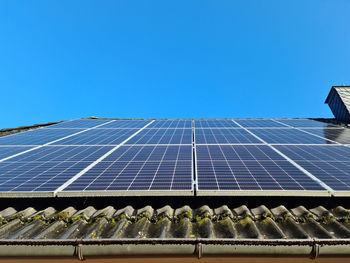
[{"x": 198, "y": 247}]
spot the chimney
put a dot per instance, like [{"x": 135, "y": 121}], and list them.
[{"x": 338, "y": 100}]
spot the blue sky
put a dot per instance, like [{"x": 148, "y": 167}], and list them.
[{"x": 170, "y": 59}]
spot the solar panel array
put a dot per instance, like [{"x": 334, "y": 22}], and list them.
[{"x": 95, "y": 157}]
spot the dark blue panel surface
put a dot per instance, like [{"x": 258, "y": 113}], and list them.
[
  {"x": 140, "y": 168},
  {"x": 288, "y": 136},
  {"x": 8, "y": 151},
  {"x": 99, "y": 137},
  {"x": 183, "y": 124},
  {"x": 299, "y": 123},
  {"x": 46, "y": 168},
  {"x": 257, "y": 123},
  {"x": 37, "y": 137},
  {"x": 341, "y": 135},
  {"x": 215, "y": 124},
  {"x": 118, "y": 124},
  {"x": 248, "y": 168},
  {"x": 330, "y": 164},
  {"x": 162, "y": 136},
  {"x": 81, "y": 123},
  {"x": 222, "y": 136}
]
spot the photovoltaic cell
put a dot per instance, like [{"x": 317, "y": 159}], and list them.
[
  {"x": 288, "y": 136},
  {"x": 9, "y": 151},
  {"x": 299, "y": 123},
  {"x": 248, "y": 168},
  {"x": 341, "y": 135},
  {"x": 46, "y": 168},
  {"x": 37, "y": 137},
  {"x": 162, "y": 136},
  {"x": 330, "y": 164},
  {"x": 118, "y": 124},
  {"x": 257, "y": 123},
  {"x": 140, "y": 168},
  {"x": 98, "y": 137},
  {"x": 184, "y": 124},
  {"x": 215, "y": 124},
  {"x": 81, "y": 123},
  {"x": 222, "y": 136}
]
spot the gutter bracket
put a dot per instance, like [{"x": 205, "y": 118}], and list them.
[
  {"x": 315, "y": 252},
  {"x": 199, "y": 250},
  {"x": 78, "y": 251}
]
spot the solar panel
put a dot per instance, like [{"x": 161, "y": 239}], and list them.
[
  {"x": 162, "y": 136},
  {"x": 118, "y": 124},
  {"x": 215, "y": 124},
  {"x": 341, "y": 135},
  {"x": 299, "y": 123},
  {"x": 259, "y": 123},
  {"x": 330, "y": 164},
  {"x": 81, "y": 123},
  {"x": 288, "y": 136},
  {"x": 254, "y": 168},
  {"x": 9, "y": 151},
  {"x": 43, "y": 170},
  {"x": 132, "y": 169},
  {"x": 98, "y": 137},
  {"x": 182, "y": 124},
  {"x": 37, "y": 137},
  {"x": 222, "y": 136}
]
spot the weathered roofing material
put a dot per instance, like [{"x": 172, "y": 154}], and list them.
[
  {"x": 179, "y": 230},
  {"x": 338, "y": 100}
]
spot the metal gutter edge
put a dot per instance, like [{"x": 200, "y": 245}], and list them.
[{"x": 308, "y": 247}]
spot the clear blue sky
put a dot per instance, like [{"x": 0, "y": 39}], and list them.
[{"x": 170, "y": 59}]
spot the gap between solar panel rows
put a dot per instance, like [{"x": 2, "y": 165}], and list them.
[{"x": 134, "y": 174}]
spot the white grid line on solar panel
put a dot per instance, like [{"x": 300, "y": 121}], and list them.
[
  {"x": 79, "y": 123},
  {"x": 7, "y": 151},
  {"x": 303, "y": 123},
  {"x": 162, "y": 136},
  {"x": 329, "y": 164},
  {"x": 35, "y": 137},
  {"x": 339, "y": 135},
  {"x": 140, "y": 168},
  {"x": 259, "y": 123},
  {"x": 98, "y": 137},
  {"x": 174, "y": 124},
  {"x": 46, "y": 168},
  {"x": 288, "y": 136},
  {"x": 96, "y": 162},
  {"x": 214, "y": 124},
  {"x": 252, "y": 172},
  {"x": 132, "y": 124},
  {"x": 224, "y": 136}
]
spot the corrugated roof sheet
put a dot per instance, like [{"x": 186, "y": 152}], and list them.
[{"x": 183, "y": 222}]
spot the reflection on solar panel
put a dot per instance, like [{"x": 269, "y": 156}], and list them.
[
  {"x": 37, "y": 137},
  {"x": 257, "y": 123},
  {"x": 299, "y": 123},
  {"x": 248, "y": 168},
  {"x": 171, "y": 124},
  {"x": 118, "y": 124},
  {"x": 222, "y": 136},
  {"x": 215, "y": 124},
  {"x": 341, "y": 135},
  {"x": 287, "y": 136},
  {"x": 162, "y": 136},
  {"x": 98, "y": 137},
  {"x": 136, "y": 168},
  {"x": 329, "y": 164},
  {"x": 8, "y": 151},
  {"x": 45, "y": 169},
  {"x": 82, "y": 123}
]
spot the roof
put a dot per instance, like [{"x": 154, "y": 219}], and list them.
[
  {"x": 181, "y": 226},
  {"x": 338, "y": 100}
]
